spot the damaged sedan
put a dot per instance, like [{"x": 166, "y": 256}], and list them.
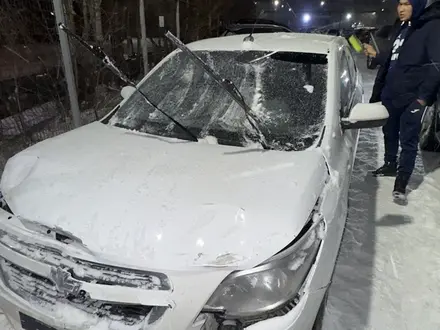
[{"x": 213, "y": 197}]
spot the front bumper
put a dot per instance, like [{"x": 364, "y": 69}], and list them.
[
  {"x": 181, "y": 315},
  {"x": 301, "y": 318}
]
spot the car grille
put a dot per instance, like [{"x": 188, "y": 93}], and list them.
[
  {"x": 87, "y": 271},
  {"x": 43, "y": 292}
]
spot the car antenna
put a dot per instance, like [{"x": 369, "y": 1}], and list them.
[
  {"x": 109, "y": 63},
  {"x": 250, "y": 37}
]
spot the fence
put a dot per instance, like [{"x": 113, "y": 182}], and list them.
[{"x": 34, "y": 103}]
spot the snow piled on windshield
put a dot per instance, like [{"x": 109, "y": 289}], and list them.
[{"x": 290, "y": 116}]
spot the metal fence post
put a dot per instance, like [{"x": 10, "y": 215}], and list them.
[{"x": 67, "y": 63}]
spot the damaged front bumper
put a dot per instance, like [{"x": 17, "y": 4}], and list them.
[
  {"x": 41, "y": 280},
  {"x": 64, "y": 287},
  {"x": 64, "y": 290}
]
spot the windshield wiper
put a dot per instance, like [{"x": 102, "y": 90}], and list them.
[
  {"x": 109, "y": 63},
  {"x": 226, "y": 84}
]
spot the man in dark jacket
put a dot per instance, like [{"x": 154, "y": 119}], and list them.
[{"x": 408, "y": 82}]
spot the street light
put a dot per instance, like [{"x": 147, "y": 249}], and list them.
[
  {"x": 349, "y": 16},
  {"x": 322, "y": 3},
  {"x": 276, "y": 3},
  {"x": 307, "y": 18}
]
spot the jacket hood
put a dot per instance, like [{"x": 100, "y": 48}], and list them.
[
  {"x": 418, "y": 8},
  {"x": 430, "y": 13}
]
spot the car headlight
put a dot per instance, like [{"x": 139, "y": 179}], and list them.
[{"x": 250, "y": 293}]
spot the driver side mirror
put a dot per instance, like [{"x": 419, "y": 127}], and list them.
[
  {"x": 127, "y": 91},
  {"x": 366, "y": 115}
]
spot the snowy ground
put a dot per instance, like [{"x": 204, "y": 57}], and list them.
[{"x": 388, "y": 272}]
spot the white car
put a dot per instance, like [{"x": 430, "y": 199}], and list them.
[{"x": 221, "y": 217}]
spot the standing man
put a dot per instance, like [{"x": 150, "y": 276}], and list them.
[{"x": 407, "y": 83}]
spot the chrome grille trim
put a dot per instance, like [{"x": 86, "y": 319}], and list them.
[
  {"x": 86, "y": 271},
  {"x": 43, "y": 293}
]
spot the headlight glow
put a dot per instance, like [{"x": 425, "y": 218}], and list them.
[{"x": 269, "y": 286}]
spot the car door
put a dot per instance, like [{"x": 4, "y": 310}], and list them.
[
  {"x": 342, "y": 145},
  {"x": 339, "y": 147}
]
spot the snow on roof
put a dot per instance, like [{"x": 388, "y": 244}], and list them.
[{"x": 282, "y": 41}]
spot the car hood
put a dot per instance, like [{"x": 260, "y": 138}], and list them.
[{"x": 165, "y": 203}]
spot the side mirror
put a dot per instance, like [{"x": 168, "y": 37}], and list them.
[
  {"x": 127, "y": 91},
  {"x": 366, "y": 115}
]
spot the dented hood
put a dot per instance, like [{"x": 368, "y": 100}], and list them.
[{"x": 163, "y": 203}]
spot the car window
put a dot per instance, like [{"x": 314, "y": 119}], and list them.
[
  {"x": 286, "y": 92},
  {"x": 348, "y": 83}
]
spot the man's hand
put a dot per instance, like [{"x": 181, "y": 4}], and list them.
[
  {"x": 422, "y": 102},
  {"x": 369, "y": 50}
]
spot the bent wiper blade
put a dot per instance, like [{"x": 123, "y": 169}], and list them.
[
  {"x": 109, "y": 63},
  {"x": 226, "y": 84}
]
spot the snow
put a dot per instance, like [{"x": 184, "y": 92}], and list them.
[
  {"x": 309, "y": 88},
  {"x": 247, "y": 45},
  {"x": 209, "y": 140}
]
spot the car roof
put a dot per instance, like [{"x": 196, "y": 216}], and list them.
[
  {"x": 236, "y": 27},
  {"x": 278, "y": 41}
]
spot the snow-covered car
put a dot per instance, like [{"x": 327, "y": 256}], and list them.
[{"x": 225, "y": 213}]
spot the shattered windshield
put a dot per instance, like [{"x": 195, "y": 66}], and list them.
[{"x": 286, "y": 92}]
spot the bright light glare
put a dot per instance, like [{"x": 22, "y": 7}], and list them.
[
  {"x": 276, "y": 2},
  {"x": 349, "y": 16},
  {"x": 322, "y": 3},
  {"x": 307, "y": 18}
]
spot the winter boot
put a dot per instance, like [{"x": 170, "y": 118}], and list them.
[
  {"x": 399, "y": 192},
  {"x": 388, "y": 169}
]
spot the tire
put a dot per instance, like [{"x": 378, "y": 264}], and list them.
[{"x": 430, "y": 133}]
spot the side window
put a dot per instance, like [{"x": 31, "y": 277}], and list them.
[{"x": 348, "y": 83}]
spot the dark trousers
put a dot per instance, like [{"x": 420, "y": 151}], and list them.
[{"x": 404, "y": 125}]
